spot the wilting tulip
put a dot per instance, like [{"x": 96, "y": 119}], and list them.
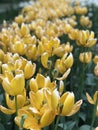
[
  {"x": 93, "y": 100},
  {"x": 13, "y": 85},
  {"x": 66, "y": 105}
]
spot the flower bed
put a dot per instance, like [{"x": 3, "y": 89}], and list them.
[{"x": 49, "y": 68}]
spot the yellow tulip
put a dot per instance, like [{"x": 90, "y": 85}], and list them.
[
  {"x": 15, "y": 85},
  {"x": 24, "y": 29},
  {"x": 47, "y": 118},
  {"x": 44, "y": 59},
  {"x": 29, "y": 70},
  {"x": 31, "y": 51},
  {"x": 65, "y": 75},
  {"x": 33, "y": 85},
  {"x": 19, "y": 19},
  {"x": 19, "y": 47},
  {"x": 86, "y": 38},
  {"x": 66, "y": 105},
  {"x": 21, "y": 100},
  {"x": 67, "y": 60},
  {"x": 30, "y": 122},
  {"x": 61, "y": 87},
  {"x": 41, "y": 82},
  {"x": 93, "y": 100},
  {"x": 95, "y": 59},
  {"x": 96, "y": 128},
  {"x": 1, "y": 55},
  {"x": 85, "y": 21},
  {"x": 96, "y": 70},
  {"x": 85, "y": 57}
]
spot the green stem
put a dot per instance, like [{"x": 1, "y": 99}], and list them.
[
  {"x": 57, "y": 121},
  {"x": 83, "y": 79},
  {"x": 16, "y": 105},
  {"x": 94, "y": 114}
]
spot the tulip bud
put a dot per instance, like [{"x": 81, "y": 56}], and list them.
[
  {"x": 95, "y": 59},
  {"x": 96, "y": 70},
  {"x": 85, "y": 57}
]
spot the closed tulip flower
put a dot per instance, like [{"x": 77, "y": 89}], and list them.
[
  {"x": 86, "y": 38},
  {"x": 29, "y": 70},
  {"x": 85, "y": 57},
  {"x": 95, "y": 59},
  {"x": 96, "y": 70}
]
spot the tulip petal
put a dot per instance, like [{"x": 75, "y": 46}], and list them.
[
  {"x": 65, "y": 75},
  {"x": 44, "y": 59},
  {"x": 40, "y": 80},
  {"x": 17, "y": 84},
  {"x": 47, "y": 118},
  {"x": 90, "y": 100},
  {"x": 76, "y": 108},
  {"x": 6, "y": 111}
]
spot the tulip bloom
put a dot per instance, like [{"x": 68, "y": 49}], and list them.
[
  {"x": 66, "y": 105},
  {"x": 86, "y": 38},
  {"x": 85, "y": 57},
  {"x": 21, "y": 100},
  {"x": 41, "y": 82},
  {"x": 42, "y": 111},
  {"x": 93, "y": 100},
  {"x": 13, "y": 85}
]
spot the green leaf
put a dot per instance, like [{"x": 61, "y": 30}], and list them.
[
  {"x": 1, "y": 127},
  {"x": 82, "y": 116},
  {"x": 90, "y": 79},
  {"x": 63, "y": 126},
  {"x": 70, "y": 125},
  {"x": 85, "y": 127}
]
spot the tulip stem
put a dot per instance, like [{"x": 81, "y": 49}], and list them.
[
  {"x": 94, "y": 114},
  {"x": 57, "y": 121},
  {"x": 16, "y": 105}
]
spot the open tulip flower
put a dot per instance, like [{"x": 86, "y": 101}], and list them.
[
  {"x": 41, "y": 82},
  {"x": 93, "y": 100},
  {"x": 42, "y": 111},
  {"x": 66, "y": 105},
  {"x": 21, "y": 100},
  {"x": 28, "y": 67},
  {"x": 66, "y": 61}
]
